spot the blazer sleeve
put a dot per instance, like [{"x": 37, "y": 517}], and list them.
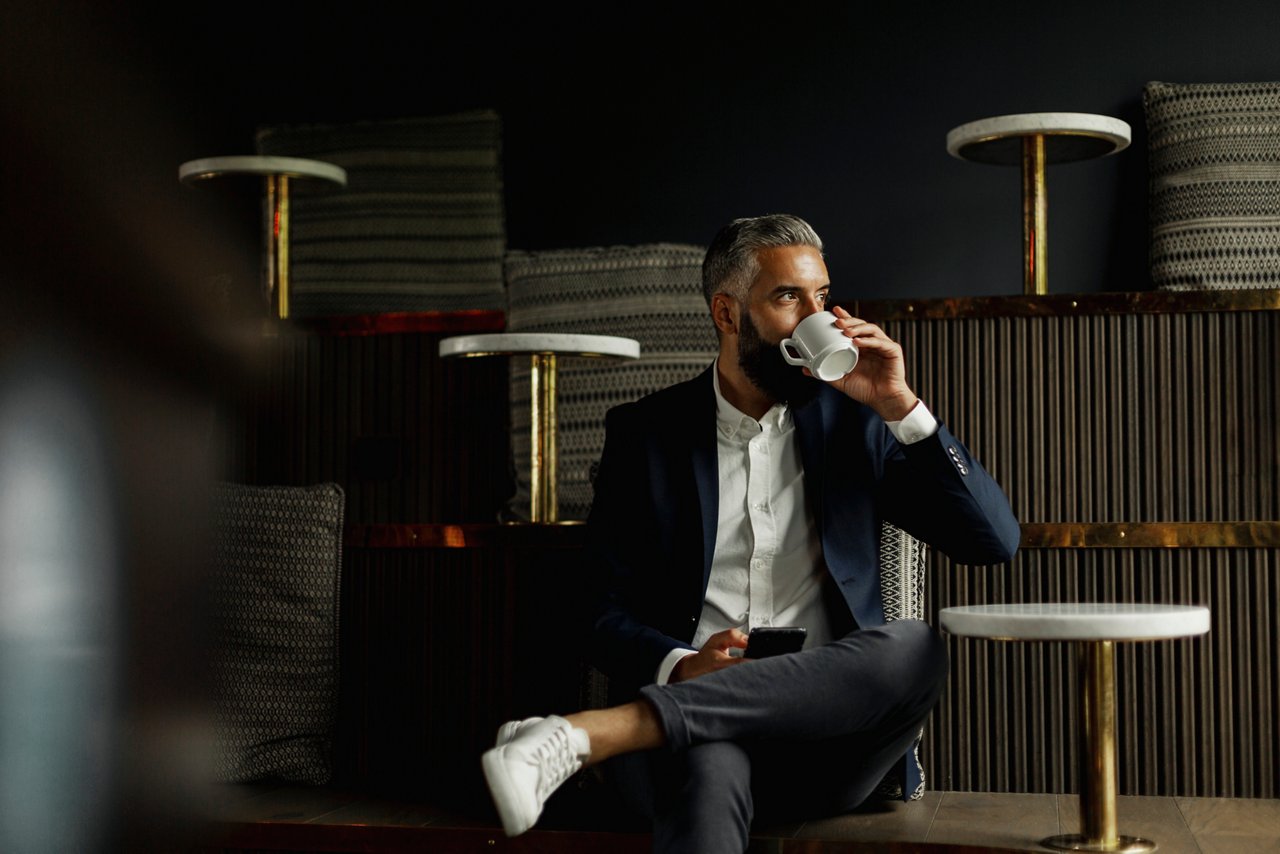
[
  {"x": 936, "y": 491},
  {"x": 636, "y": 611}
]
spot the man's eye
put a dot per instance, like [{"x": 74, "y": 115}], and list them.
[{"x": 822, "y": 297}]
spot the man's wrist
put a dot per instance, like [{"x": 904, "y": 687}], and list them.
[
  {"x": 918, "y": 424},
  {"x": 666, "y": 669},
  {"x": 897, "y": 408}
]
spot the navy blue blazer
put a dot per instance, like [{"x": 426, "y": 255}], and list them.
[{"x": 652, "y": 528}]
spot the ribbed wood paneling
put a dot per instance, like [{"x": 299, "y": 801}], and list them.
[
  {"x": 410, "y": 437},
  {"x": 1111, "y": 418},
  {"x": 1114, "y": 418}
]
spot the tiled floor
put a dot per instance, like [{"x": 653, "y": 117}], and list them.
[{"x": 943, "y": 821}]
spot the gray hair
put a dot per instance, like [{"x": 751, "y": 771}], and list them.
[{"x": 731, "y": 264}]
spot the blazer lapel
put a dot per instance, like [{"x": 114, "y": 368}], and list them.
[{"x": 706, "y": 468}]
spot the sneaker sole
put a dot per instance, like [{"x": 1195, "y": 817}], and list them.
[{"x": 497, "y": 778}]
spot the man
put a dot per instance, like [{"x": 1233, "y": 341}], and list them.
[{"x": 753, "y": 496}]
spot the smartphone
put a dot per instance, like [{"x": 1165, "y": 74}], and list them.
[{"x": 767, "y": 641}]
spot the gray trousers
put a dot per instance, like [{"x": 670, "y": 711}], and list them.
[{"x": 797, "y": 736}]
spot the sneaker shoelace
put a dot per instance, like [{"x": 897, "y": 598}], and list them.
[{"x": 557, "y": 760}]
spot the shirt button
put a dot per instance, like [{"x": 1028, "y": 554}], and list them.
[{"x": 762, "y": 507}]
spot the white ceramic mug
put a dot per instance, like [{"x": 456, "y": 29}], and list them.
[{"x": 821, "y": 346}]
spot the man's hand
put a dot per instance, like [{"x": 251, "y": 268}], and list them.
[
  {"x": 713, "y": 656},
  {"x": 880, "y": 379}
]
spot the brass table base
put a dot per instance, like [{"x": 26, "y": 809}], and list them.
[
  {"x": 1095, "y": 661},
  {"x": 1076, "y": 842}
]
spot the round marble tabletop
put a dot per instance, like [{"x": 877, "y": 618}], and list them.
[
  {"x": 292, "y": 167},
  {"x": 1076, "y": 621},
  {"x": 510, "y": 343},
  {"x": 1067, "y": 137}
]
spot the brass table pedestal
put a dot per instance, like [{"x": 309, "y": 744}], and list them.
[
  {"x": 277, "y": 171},
  {"x": 1095, "y": 628},
  {"x": 1033, "y": 141},
  {"x": 543, "y": 349}
]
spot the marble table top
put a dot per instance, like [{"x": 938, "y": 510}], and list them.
[
  {"x": 509, "y": 343},
  {"x": 1078, "y": 621},
  {"x": 1068, "y": 137},
  {"x": 292, "y": 167}
]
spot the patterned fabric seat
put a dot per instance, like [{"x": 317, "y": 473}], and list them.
[
  {"x": 274, "y": 597},
  {"x": 650, "y": 293},
  {"x": 1215, "y": 184},
  {"x": 419, "y": 226}
]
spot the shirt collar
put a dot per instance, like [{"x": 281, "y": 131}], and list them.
[{"x": 731, "y": 421}]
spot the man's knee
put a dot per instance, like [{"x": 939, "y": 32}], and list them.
[{"x": 920, "y": 654}]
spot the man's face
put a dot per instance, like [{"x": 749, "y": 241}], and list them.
[{"x": 792, "y": 284}]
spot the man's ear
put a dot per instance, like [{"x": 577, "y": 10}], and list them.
[{"x": 724, "y": 313}]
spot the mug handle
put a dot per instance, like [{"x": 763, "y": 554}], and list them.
[{"x": 786, "y": 354}]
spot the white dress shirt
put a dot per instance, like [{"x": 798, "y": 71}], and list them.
[{"x": 767, "y": 569}]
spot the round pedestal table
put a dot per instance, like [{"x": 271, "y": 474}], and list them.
[
  {"x": 1095, "y": 628},
  {"x": 543, "y": 349},
  {"x": 1035, "y": 140},
  {"x": 277, "y": 172}
]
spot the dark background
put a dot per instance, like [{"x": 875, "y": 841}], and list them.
[{"x": 661, "y": 122}]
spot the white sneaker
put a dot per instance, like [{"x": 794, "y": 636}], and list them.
[
  {"x": 522, "y": 773},
  {"x": 511, "y": 729}
]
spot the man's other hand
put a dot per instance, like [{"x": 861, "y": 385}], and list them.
[{"x": 713, "y": 656}]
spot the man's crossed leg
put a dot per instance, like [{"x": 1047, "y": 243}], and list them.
[{"x": 814, "y": 731}]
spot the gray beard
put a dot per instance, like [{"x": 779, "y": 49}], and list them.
[{"x": 763, "y": 364}]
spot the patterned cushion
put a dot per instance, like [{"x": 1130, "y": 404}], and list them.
[
  {"x": 275, "y": 629},
  {"x": 650, "y": 293},
  {"x": 902, "y": 573},
  {"x": 419, "y": 226},
  {"x": 1215, "y": 184}
]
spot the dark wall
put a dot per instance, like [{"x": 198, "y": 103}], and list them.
[{"x": 663, "y": 122}]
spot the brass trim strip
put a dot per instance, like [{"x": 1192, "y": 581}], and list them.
[
  {"x": 465, "y": 536},
  {"x": 1068, "y": 305},
  {"x": 1151, "y": 535},
  {"x": 1035, "y": 535},
  {"x": 405, "y": 322}
]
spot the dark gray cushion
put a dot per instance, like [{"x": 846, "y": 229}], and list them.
[
  {"x": 419, "y": 226},
  {"x": 652, "y": 293},
  {"x": 1215, "y": 184},
  {"x": 275, "y": 630}
]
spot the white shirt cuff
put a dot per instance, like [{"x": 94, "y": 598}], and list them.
[
  {"x": 669, "y": 663},
  {"x": 917, "y": 425}
]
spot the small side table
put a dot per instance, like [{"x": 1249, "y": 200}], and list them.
[
  {"x": 1035, "y": 140},
  {"x": 543, "y": 349},
  {"x": 277, "y": 171},
  {"x": 1096, "y": 628}
]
